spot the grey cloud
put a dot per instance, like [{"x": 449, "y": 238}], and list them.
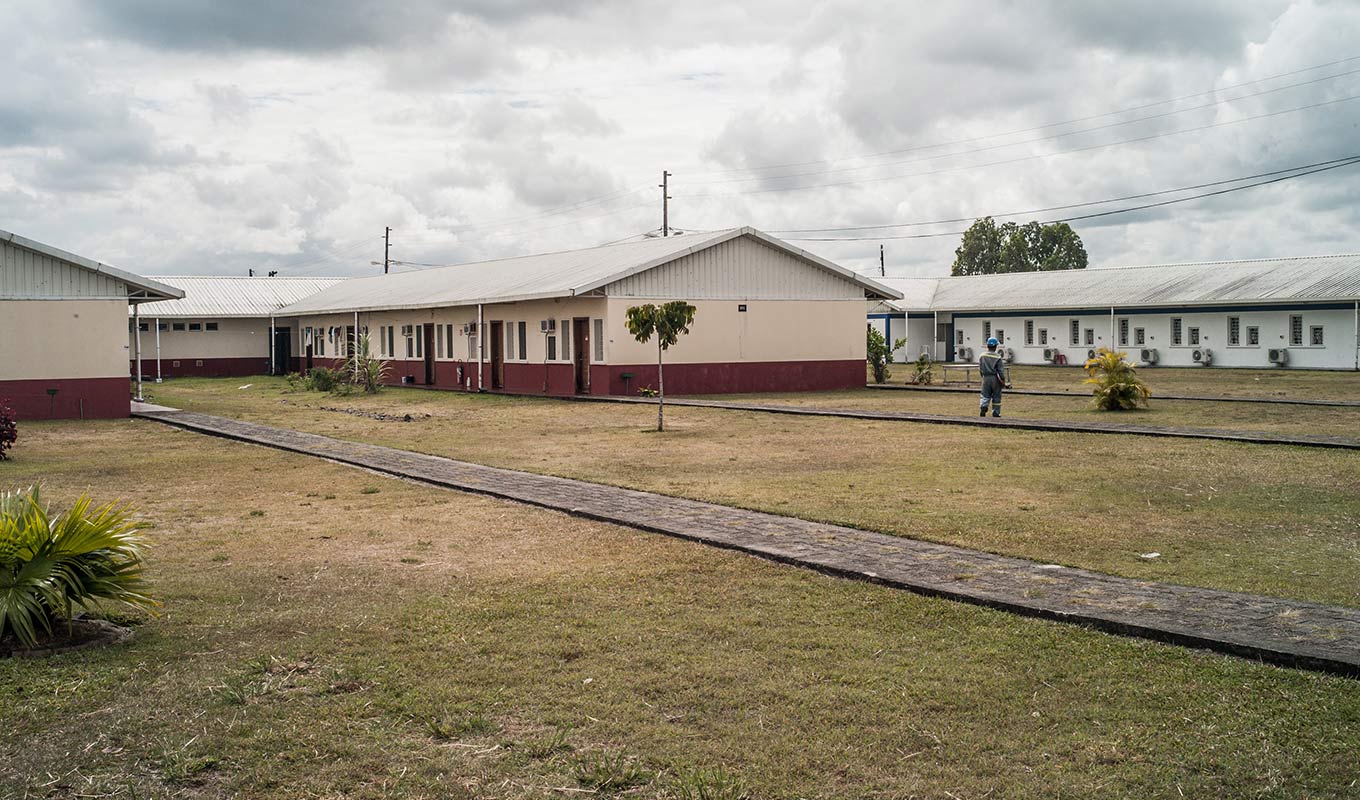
[{"x": 227, "y": 103}]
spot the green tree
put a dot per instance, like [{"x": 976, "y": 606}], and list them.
[
  {"x": 667, "y": 322},
  {"x": 988, "y": 249},
  {"x": 1115, "y": 382}
]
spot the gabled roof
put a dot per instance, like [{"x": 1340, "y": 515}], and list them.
[
  {"x": 139, "y": 289},
  {"x": 233, "y": 296},
  {"x": 1304, "y": 279},
  {"x": 564, "y": 274}
]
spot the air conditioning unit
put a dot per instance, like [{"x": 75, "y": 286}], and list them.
[
  {"x": 1050, "y": 355},
  {"x": 1148, "y": 355},
  {"x": 963, "y": 354},
  {"x": 407, "y": 330},
  {"x": 547, "y": 326},
  {"x": 469, "y": 329},
  {"x": 1202, "y": 356},
  {"x": 1090, "y": 354},
  {"x": 1278, "y": 356},
  {"x": 1006, "y": 353}
]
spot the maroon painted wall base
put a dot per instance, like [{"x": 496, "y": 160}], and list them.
[
  {"x": 202, "y": 367},
  {"x": 90, "y": 398}
]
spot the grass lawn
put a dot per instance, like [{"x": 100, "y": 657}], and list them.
[
  {"x": 331, "y": 633},
  {"x": 1270, "y": 520},
  {"x": 1294, "y": 384},
  {"x": 1241, "y": 416}
]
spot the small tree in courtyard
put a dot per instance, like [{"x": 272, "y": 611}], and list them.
[
  {"x": 1117, "y": 387},
  {"x": 666, "y": 322},
  {"x": 9, "y": 428},
  {"x": 364, "y": 369},
  {"x": 878, "y": 354}
]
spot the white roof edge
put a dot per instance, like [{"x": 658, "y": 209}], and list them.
[
  {"x": 145, "y": 284},
  {"x": 289, "y": 311}
]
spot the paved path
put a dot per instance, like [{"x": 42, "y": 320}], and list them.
[
  {"x": 1285, "y": 401},
  {"x": 1015, "y": 423},
  {"x": 1288, "y": 632}
]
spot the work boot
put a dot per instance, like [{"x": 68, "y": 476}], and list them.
[
  {"x": 983, "y": 412},
  {"x": 996, "y": 413}
]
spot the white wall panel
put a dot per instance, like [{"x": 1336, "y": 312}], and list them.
[
  {"x": 26, "y": 274},
  {"x": 739, "y": 269}
]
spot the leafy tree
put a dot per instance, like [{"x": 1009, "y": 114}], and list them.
[
  {"x": 878, "y": 354},
  {"x": 1117, "y": 387},
  {"x": 988, "y": 249},
  {"x": 667, "y": 322}
]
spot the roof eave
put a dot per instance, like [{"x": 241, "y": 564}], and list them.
[{"x": 146, "y": 290}]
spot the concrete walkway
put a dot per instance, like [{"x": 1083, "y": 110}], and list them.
[
  {"x": 1288, "y": 632},
  {"x": 1014, "y": 423},
  {"x": 1282, "y": 401}
]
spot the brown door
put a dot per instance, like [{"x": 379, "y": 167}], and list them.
[
  {"x": 429, "y": 353},
  {"x": 309, "y": 357},
  {"x": 497, "y": 355},
  {"x": 580, "y": 337}
]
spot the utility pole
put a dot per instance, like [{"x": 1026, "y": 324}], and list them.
[
  {"x": 665, "y": 204},
  {"x": 882, "y": 270},
  {"x": 387, "y": 247}
]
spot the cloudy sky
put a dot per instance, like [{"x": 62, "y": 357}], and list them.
[{"x": 209, "y": 137}]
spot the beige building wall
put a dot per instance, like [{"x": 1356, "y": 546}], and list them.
[
  {"x": 45, "y": 339},
  {"x": 234, "y": 338},
  {"x": 768, "y": 330}
]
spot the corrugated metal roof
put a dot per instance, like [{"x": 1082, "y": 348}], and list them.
[
  {"x": 564, "y": 274},
  {"x": 232, "y": 296},
  {"x": 1268, "y": 280},
  {"x": 917, "y": 293},
  {"x": 139, "y": 289}
]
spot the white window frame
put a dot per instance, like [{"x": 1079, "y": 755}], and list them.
[
  {"x": 1316, "y": 336},
  {"x": 986, "y": 330},
  {"x": 1088, "y": 337},
  {"x": 1123, "y": 331},
  {"x": 1253, "y": 336},
  {"x": 1177, "y": 332},
  {"x": 1296, "y": 330},
  {"x": 1029, "y": 333},
  {"x": 1074, "y": 328},
  {"x": 597, "y": 330},
  {"x": 1139, "y": 337},
  {"x": 1192, "y": 333},
  {"x": 1234, "y": 331},
  {"x": 1043, "y": 337}
]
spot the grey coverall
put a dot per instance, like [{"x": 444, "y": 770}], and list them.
[{"x": 992, "y": 368}]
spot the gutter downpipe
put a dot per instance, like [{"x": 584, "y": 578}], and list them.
[
  {"x": 355, "y": 344},
  {"x": 1357, "y": 335},
  {"x": 1112, "y": 327},
  {"x": 935, "y": 337},
  {"x": 137, "y": 347},
  {"x": 158, "y": 349},
  {"x": 481, "y": 346},
  {"x": 272, "y": 336}
]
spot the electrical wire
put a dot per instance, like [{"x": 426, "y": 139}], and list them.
[
  {"x": 1095, "y": 215},
  {"x": 1047, "y": 209}
]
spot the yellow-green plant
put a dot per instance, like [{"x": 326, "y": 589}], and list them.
[
  {"x": 52, "y": 563},
  {"x": 1115, "y": 382}
]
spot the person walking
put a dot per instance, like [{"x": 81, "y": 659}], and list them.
[{"x": 992, "y": 369}]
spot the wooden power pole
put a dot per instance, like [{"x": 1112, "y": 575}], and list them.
[
  {"x": 665, "y": 204},
  {"x": 387, "y": 247},
  {"x": 882, "y": 270}
]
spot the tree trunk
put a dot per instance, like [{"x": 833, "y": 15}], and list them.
[{"x": 660, "y": 391}]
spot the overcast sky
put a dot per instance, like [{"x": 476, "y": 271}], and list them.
[{"x": 209, "y": 137}]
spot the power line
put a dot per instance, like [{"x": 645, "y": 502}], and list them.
[
  {"x": 1037, "y": 127},
  {"x": 1047, "y": 209},
  {"x": 1034, "y": 140},
  {"x": 1033, "y": 157},
  {"x": 1347, "y": 163}
]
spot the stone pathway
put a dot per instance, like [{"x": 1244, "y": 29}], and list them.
[
  {"x": 1014, "y": 423},
  {"x": 1288, "y": 632},
  {"x": 1285, "y": 401}
]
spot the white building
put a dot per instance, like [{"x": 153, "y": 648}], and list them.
[
  {"x": 63, "y": 344},
  {"x": 1285, "y": 312},
  {"x": 222, "y": 327}
]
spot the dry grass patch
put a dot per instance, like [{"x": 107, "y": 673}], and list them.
[
  {"x": 530, "y": 654},
  {"x": 1267, "y": 520}
]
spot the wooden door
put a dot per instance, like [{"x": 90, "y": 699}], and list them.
[
  {"x": 497, "y": 343},
  {"x": 580, "y": 339},
  {"x": 429, "y": 353}
]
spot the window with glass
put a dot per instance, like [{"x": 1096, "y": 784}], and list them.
[
  {"x": 1089, "y": 337},
  {"x": 523, "y": 340},
  {"x": 1029, "y": 332},
  {"x": 1315, "y": 336},
  {"x": 1124, "y": 332},
  {"x": 1194, "y": 337},
  {"x": 1253, "y": 336},
  {"x": 1177, "y": 332},
  {"x": 1075, "y": 326},
  {"x": 1296, "y": 330},
  {"x": 1139, "y": 336}
]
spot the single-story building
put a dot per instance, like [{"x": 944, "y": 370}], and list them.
[
  {"x": 1278, "y": 312},
  {"x": 222, "y": 327},
  {"x": 63, "y": 317},
  {"x": 770, "y": 317}
]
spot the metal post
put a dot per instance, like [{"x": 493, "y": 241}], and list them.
[
  {"x": 355, "y": 344},
  {"x": 1357, "y": 335},
  {"x": 272, "y": 371},
  {"x": 481, "y": 346},
  {"x": 1111, "y": 345},
  {"x": 137, "y": 346},
  {"x": 158, "y": 349},
  {"x": 935, "y": 337}
]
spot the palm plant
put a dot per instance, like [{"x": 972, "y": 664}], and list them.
[
  {"x": 666, "y": 322},
  {"x": 364, "y": 369},
  {"x": 50, "y": 564},
  {"x": 1117, "y": 387}
]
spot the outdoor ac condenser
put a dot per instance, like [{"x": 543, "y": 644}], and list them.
[
  {"x": 1204, "y": 356},
  {"x": 1278, "y": 356},
  {"x": 963, "y": 354},
  {"x": 1050, "y": 355},
  {"x": 1149, "y": 355}
]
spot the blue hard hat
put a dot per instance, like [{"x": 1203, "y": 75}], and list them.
[{"x": 992, "y": 342}]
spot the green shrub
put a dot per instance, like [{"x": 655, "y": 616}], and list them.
[
  {"x": 923, "y": 373},
  {"x": 710, "y": 784},
  {"x": 49, "y": 564},
  {"x": 1117, "y": 386},
  {"x": 879, "y": 354},
  {"x": 9, "y": 429},
  {"x": 323, "y": 379},
  {"x": 611, "y": 773}
]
